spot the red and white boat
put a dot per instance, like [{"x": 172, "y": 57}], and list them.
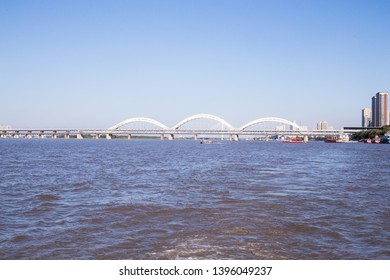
[
  {"x": 294, "y": 140},
  {"x": 376, "y": 140},
  {"x": 334, "y": 140}
]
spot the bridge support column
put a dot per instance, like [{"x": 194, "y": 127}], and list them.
[
  {"x": 195, "y": 137},
  {"x": 54, "y": 136},
  {"x": 108, "y": 136},
  {"x": 97, "y": 136},
  {"x": 236, "y": 137},
  {"x": 79, "y": 136},
  {"x": 171, "y": 137},
  {"x": 66, "y": 135},
  {"x": 162, "y": 136},
  {"x": 129, "y": 137}
]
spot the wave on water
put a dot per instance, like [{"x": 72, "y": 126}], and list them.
[{"x": 47, "y": 197}]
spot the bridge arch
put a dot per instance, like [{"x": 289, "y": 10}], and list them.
[
  {"x": 270, "y": 119},
  {"x": 204, "y": 116},
  {"x": 146, "y": 120}
]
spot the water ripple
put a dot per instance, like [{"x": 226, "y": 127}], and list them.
[{"x": 68, "y": 199}]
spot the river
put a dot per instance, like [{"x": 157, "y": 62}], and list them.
[{"x": 151, "y": 199}]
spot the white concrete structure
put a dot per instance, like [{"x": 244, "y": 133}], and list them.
[{"x": 204, "y": 116}]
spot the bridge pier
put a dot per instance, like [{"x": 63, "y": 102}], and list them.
[
  {"x": 171, "y": 137},
  {"x": 97, "y": 136},
  {"x": 79, "y": 136},
  {"x": 129, "y": 136},
  {"x": 195, "y": 137},
  {"x": 66, "y": 135},
  {"x": 108, "y": 136},
  {"x": 162, "y": 136}
]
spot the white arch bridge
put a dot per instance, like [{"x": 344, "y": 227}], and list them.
[{"x": 158, "y": 128}]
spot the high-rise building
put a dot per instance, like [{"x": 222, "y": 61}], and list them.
[
  {"x": 379, "y": 109},
  {"x": 366, "y": 117},
  {"x": 322, "y": 125},
  {"x": 388, "y": 117}
]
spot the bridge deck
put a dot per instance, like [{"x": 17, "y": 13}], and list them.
[{"x": 96, "y": 132}]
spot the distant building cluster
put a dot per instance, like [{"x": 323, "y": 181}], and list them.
[
  {"x": 378, "y": 115},
  {"x": 5, "y": 127},
  {"x": 322, "y": 125},
  {"x": 290, "y": 127}
]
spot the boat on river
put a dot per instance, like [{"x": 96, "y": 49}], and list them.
[
  {"x": 294, "y": 140},
  {"x": 206, "y": 141},
  {"x": 376, "y": 140},
  {"x": 334, "y": 140}
]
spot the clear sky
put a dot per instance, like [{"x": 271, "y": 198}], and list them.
[{"x": 92, "y": 64}]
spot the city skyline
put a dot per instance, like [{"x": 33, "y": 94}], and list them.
[{"x": 95, "y": 63}]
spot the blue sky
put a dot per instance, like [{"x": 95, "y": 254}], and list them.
[{"x": 91, "y": 64}]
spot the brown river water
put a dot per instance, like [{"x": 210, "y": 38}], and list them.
[{"x": 150, "y": 199}]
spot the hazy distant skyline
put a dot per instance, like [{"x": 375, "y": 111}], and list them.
[{"x": 95, "y": 63}]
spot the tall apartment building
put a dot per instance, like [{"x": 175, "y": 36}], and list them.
[
  {"x": 366, "y": 117},
  {"x": 379, "y": 109},
  {"x": 322, "y": 125}
]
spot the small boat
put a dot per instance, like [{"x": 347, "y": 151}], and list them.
[
  {"x": 334, "y": 140},
  {"x": 385, "y": 139},
  {"x": 294, "y": 140},
  {"x": 330, "y": 140},
  {"x": 376, "y": 140},
  {"x": 206, "y": 142}
]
